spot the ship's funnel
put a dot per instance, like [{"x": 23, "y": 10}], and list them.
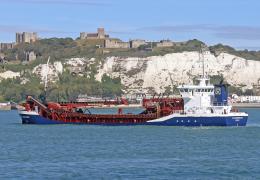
[{"x": 221, "y": 94}]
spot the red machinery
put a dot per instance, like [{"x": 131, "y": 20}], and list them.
[{"x": 72, "y": 112}]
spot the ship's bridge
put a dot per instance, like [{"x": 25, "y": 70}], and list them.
[
  {"x": 197, "y": 97},
  {"x": 202, "y": 89}
]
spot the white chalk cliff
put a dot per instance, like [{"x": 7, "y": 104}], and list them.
[
  {"x": 9, "y": 74},
  {"x": 53, "y": 70},
  {"x": 158, "y": 72}
]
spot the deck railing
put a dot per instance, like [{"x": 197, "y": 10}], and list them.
[
  {"x": 178, "y": 112},
  {"x": 220, "y": 104}
]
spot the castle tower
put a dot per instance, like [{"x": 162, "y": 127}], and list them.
[
  {"x": 101, "y": 33},
  {"x": 26, "y": 37},
  {"x": 19, "y": 38}
]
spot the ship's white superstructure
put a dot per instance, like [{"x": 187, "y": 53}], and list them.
[{"x": 201, "y": 98}]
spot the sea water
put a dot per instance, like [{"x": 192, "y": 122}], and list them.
[{"x": 128, "y": 152}]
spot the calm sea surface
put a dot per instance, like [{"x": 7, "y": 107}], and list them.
[{"x": 133, "y": 152}]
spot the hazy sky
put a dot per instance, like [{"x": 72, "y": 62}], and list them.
[{"x": 232, "y": 22}]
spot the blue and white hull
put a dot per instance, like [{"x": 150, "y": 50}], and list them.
[
  {"x": 232, "y": 119},
  {"x": 31, "y": 117}
]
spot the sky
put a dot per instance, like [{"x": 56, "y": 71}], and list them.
[{"x": 230, "y": 22}]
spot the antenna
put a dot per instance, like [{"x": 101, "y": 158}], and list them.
[{"x": 203, "y": 61}]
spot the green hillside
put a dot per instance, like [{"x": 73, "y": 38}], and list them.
[{"x": 70, "y": 86}]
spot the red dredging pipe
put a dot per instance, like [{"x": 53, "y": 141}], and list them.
[{"x": 67, "y": 112}]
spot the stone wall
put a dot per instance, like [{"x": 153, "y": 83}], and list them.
[
  {"x": 165, "y": 43},
  {"x": 137, "y": 43},
  {"x": 5, "y": 46},
  {"x": 111, "y": 43}
]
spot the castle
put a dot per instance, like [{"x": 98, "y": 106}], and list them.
[
  {"x": 99, "y": 35},
  {"x": 26, "y": 37},
  {"x": 111, "y": 43},
  {"x": 106, "y": 41}
]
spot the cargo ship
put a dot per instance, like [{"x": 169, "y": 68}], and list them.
[{"x": 201, "y": 104}]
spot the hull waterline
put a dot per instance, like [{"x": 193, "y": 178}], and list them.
[{"x": 171, "y": 120}]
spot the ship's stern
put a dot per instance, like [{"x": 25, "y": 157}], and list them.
[{"x": 237, "y": 119}]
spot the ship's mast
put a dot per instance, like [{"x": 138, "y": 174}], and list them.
[
  {"x": 203, "y": 62},
  {"x": 46, "y": 76},
  {"x": 203, "y": 79}
]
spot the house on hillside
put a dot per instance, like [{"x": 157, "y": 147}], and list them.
[{"x": 30, "y": 56}]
